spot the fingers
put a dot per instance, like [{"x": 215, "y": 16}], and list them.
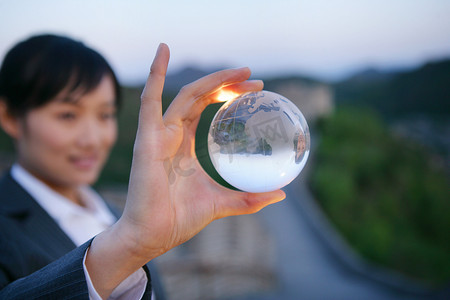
[
  {"x": 194, "y": 97},
  {"x": 246, "y": 86},
  {"x": 151, "y": 109},
  {"x": 235, "y": 90}
]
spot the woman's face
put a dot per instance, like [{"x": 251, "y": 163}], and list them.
[{"x": 66, "y": 143}]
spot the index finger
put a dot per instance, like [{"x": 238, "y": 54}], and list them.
[
  {"x": 151, "y": 107},
  {"x": 192, "y": 98}
]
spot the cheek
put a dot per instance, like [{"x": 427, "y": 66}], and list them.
[
  {"x": 51, "y": 138},
  {"x": 110, "y": 136}
]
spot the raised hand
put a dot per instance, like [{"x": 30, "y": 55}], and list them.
[{"x": 163, "y": 211}]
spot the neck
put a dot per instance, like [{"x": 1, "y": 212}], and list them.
[{"x": 71, "y": 192}]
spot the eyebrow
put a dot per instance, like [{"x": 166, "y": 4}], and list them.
[
  {"x": 70, "y": 99},
  {"x": 75, "y": 101}
]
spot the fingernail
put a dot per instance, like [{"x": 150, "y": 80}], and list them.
[
  {"x": 160, "y": 46},
  {"x": 256, "y": 81}
]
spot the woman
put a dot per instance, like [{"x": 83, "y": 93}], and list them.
[{"x": 58, "y": 103}]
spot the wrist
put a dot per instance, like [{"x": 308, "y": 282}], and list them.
[
  {"x": 136, "y": 241},
  {"x": 113, "y": 256}
]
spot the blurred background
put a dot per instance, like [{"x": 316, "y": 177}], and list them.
[{"x": 370, "y": 215}]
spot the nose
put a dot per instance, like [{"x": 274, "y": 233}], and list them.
[{"x": 90, "y": 134}]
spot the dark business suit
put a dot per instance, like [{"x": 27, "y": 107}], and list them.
[{"x": 30, "y": 241}]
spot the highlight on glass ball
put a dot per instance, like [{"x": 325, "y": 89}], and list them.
[{"x": 259, "y": 141}]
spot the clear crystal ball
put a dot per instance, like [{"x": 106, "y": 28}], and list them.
[{"x": 259, "y": 141}]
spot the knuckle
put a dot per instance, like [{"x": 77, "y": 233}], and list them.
[
  {"x": 184, "y": 89},
  {"x": 252, "y": 204},
  {"x": 154, "y": 71},
  {"x": 187, "y": 91},
  {"x": 143, "y": 95}
]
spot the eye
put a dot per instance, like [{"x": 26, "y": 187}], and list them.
[
  {"x": 108, "y": 115},
  {"x": 67, "y": 116}
]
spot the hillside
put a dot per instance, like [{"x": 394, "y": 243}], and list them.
[{"x": 425, "y": 90}]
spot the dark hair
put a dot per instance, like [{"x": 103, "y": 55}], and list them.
[{"x": 38, "y": 69}]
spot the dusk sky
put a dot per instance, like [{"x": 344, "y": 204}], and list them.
[{"x": 324, "y": 39}]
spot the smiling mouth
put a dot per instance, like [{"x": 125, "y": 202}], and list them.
[{"x": 85, "y": 162}]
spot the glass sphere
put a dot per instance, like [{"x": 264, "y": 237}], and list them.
[{"x": 259, "y": 141}]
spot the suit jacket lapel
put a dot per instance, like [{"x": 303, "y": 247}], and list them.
[{"x": 33, "y": 219}]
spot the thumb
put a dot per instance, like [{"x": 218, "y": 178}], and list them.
[{"x": 241, "y": 203}]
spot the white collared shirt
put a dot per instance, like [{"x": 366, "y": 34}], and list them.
[{"x": 80, "y": 224}]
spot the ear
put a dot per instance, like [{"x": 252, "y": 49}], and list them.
[{"x": 8, "y": 122}]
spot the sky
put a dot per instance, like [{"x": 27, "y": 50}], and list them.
[{"x": 324, "y": 39}]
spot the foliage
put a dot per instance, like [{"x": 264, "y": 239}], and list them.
[{"x": 384, "y": 194}]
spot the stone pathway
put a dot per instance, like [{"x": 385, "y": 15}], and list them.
[{"x": 232, "y": 257}]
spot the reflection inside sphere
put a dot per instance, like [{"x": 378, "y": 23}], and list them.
[{"x": 259, "y": 141}]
